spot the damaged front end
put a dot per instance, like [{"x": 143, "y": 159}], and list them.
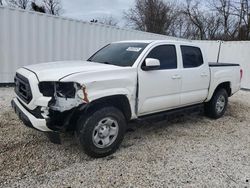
[{"x": 67, "y": 98}]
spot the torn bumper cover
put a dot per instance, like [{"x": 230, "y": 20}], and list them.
[
  {"x": 55, "y": 122},
  {"x": 28, "y": 118},
  {"x": 58, "y": 113},
  {"x": 52, "y": 125}
]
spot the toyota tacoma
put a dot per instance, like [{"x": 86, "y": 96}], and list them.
[{"x": 122, "y": 82}]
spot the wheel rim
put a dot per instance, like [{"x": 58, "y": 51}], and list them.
[
  {"x": 220, "y": 104},
  {"x": 105, "y": 132}
]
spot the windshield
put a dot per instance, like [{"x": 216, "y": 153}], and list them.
[{"x": 120, "y": 54}]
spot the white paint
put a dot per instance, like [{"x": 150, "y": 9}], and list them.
[
  {"x": 225, "y": 74},
  {"x": 158, "y": 90},
  {"x": 161, "y": 90},
  {"x": 54, "y": 71},
  {"x": 151, "y": 62},
  {"x": 195, "y": 84}
]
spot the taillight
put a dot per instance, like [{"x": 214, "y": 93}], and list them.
[{"x": 241, "y": 73}]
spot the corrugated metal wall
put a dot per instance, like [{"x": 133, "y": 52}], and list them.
[
  {"x": 238, "y": 52},
  {"x": 210, "y": 49},
  {"x": 29, "y": 37}
]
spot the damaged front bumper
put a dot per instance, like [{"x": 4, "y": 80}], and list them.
[
  {"x": 49, "y": 107},
  {"x": 28, "y": 118},
  {"x": 55, "y": 121},
  {"x": 52, "y": 126}
]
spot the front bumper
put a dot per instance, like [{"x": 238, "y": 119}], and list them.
[{"x": 28, "y": 119}]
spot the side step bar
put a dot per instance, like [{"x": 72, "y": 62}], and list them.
[{"x": 171, "y": 114}]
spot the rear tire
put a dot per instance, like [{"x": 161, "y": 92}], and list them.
[
  {"x": 101, "y": 132},
  {"x": 217, "y": 106}
]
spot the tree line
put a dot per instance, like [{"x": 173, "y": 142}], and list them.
[{"x": 193, "y": 19}]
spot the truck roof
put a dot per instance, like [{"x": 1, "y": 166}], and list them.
[{"x": 188, "y": 42}]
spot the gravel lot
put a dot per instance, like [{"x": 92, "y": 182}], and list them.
[{"x": 186, "y": 152}]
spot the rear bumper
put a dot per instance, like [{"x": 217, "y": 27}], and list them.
[{"x": 28, "y": 119}]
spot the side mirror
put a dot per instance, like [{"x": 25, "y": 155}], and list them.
[{"x": 151, "y": 64}]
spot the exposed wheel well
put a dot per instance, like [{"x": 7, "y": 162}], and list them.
[
  {"x": 119, "y": 101},
  {"x": 226, "y": 86}
]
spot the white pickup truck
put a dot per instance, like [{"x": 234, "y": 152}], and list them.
[{"x": 124, "y": 81}]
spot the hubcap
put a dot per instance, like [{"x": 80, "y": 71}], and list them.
[
  {"x": 105, "y": 132},
  {"x": 220, "y": 104}
]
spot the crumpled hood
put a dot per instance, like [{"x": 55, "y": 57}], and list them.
[{"x": 55, "y": 71}]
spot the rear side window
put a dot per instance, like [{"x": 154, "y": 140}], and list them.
[
  {"x": 166, "y": 54},
  {"x": 191, "y": 56}
]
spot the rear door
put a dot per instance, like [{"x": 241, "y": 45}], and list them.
[
  {"x": 159, "y": 90},
  {"x": 195, "y": 76}
]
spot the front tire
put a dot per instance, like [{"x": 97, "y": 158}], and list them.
[
  {"x": 101, "y": 132},
  {"x": 217, "y": 106}
]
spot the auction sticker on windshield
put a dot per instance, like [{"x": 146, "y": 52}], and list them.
[{"x": 133, "y": 49}]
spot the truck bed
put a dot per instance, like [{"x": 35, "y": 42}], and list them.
[{"x": 224, "y": 72}]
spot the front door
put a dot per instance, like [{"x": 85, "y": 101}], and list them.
[{"x": 159, "y": 89}]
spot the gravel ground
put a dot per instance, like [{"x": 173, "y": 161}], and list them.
[{"x": 186, "y": 152}]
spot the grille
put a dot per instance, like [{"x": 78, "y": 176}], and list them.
[{"x": 22, "y": 88}]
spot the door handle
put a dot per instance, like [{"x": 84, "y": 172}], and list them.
[
  {"x": 176, "y": 77},
  {"x": 204, "y": 74}
]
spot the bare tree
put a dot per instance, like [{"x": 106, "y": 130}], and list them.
[
  {"x": 242, "y": 12},
  {"x": 213, "y": 25},
  {"x": 246, "y": 18},
  {"x": 53, "y": 7},
  {"x": 224, "y": 8},
  {"x": 23, "y": 4},
  {"x": 37, "y": 8},
  {"x": 178, "y": 26},
  {"x": 151, "y": 15},
  {"x": 201, "y": 23},
  {"x": 196, "y": 17}
]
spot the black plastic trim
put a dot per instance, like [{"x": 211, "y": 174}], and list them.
[
  {"x": 36, "y": 112},
  {"x": 222, "y": 64},
  {"x": 22, "y": 88},
  {"x": 21, "y": 115}
]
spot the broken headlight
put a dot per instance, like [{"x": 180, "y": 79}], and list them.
[{"x": 59, "y": 89}]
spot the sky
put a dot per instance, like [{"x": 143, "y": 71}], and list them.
[
  {"x": 87, "y": 10},
  {"x": 93, "y": 9}
]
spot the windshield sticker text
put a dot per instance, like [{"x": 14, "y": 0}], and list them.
[{"x": 133, "y": 49}]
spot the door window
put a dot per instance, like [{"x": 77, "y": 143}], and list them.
[
  {"x": 166, "y": 54},
  {"x": 191, "y": 56}
]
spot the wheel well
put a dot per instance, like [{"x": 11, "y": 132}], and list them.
[
  {"x": 119, "y": 101},
  {"x": 226, "y": 86}
]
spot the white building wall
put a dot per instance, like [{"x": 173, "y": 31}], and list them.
[
  {"x": 238, "y": 52},
  {"x": 28, "y": 37},
  {"x": 210, "y": 49}
]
